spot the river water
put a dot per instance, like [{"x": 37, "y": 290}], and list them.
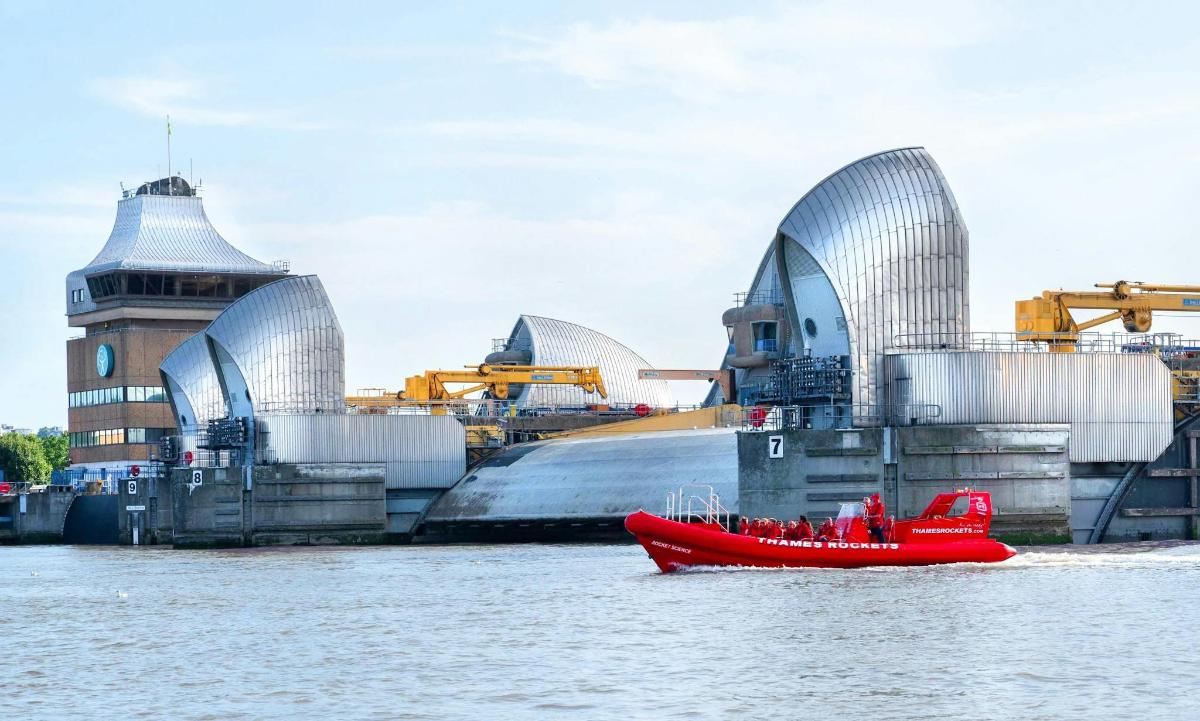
[{"x": 591, "y": 632}]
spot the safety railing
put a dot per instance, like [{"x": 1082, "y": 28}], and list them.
[
  {"x": 113, "y": 331},
  {"x": 493, "y": 408},
  {"x": 836, "y": 416},
  {"x": 518, "y": 344},
  {"x": 761, "y": 297},
  {"x": 695, "y": 503},
  {"x": 1165, "y": 343},
  {"x": 280, "y": 408}
]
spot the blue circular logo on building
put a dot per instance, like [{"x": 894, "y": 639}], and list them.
[{"x": 104, "y": 360}]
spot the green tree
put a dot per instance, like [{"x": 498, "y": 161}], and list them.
[
  {"x": 56, "y": 450},
  {"x": 22, "y": 459}
]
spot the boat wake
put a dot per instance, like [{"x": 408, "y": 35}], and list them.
[
  {"x": 1166, "y": 553},
  {"x": 1112, "y": 555}
]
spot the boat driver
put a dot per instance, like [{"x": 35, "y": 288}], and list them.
[{"x": 875, "y": 517}]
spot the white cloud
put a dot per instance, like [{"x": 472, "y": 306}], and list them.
[
  {"x": 810, "y": 87},
  {"x": 187, "y": 100},
  {"x": 821, "y": 47}
]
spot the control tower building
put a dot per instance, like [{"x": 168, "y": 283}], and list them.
[{"x": 164, "y": 274}]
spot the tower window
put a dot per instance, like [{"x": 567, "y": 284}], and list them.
[{"x": 766, "y": 336}]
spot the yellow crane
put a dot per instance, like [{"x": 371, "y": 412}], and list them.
[
  {"x": 1047, "y": 319},
  {"x": 723, "y": 377},
  {"x": 432, "y": 385},
  {"x": 496, "y": 380},
  {"x": 430, "y": 389}
]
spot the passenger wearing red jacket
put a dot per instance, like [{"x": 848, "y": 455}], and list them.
[
  {"x": 804, "y": 529},
  {"x": 828, "y": 531},
  {"x": 743, "y": 526},
  {"x": 875, "y": 515}
]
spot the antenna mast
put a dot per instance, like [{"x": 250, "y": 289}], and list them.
[{"x": 170, "y": 188}]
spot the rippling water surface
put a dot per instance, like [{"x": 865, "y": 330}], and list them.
[{"x": 591, "y": 632}]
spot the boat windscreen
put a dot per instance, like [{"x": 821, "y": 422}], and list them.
[
  {"x": 852, "y": 510},
  {"x": 959, "y": 507}
]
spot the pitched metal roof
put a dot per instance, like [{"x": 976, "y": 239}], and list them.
[{"x": 169, "y": 233}]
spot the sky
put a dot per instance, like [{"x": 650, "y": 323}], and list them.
[{"x": 446, "y": 167}]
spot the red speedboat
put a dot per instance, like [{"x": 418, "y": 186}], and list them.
[{"x": 941, "y": 534}]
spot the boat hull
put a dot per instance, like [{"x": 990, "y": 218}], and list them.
[{"x": 675, "y": 546}]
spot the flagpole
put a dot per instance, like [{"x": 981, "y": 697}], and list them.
[{"x": 170, "y": 189}]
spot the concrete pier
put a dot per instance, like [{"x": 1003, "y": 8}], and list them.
[
  {"x": 282, "y": 504},
  {"x": 782, "y": 474},
  {"x": 35, "y": 517}
]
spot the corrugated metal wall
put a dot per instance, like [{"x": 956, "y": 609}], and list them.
[
  {"x": 1118, "y": 404},
  {"x": 418, "y": 451}
]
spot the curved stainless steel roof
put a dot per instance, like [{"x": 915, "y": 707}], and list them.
[
  {"x": 559, "y": 343},
  {"x": 169, "y": 233},
  {"x": 192, "y": 384},
  {"x": 284, "y": 343},
  {"x": 874, "y": 251}
]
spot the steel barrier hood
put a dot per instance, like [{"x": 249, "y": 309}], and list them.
[
  {"x": 875, "y": 251},
  {"x": 553, "y": 342},
  {"x": 284, "y": 344},
  {"x": 192, "y": 385}
]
